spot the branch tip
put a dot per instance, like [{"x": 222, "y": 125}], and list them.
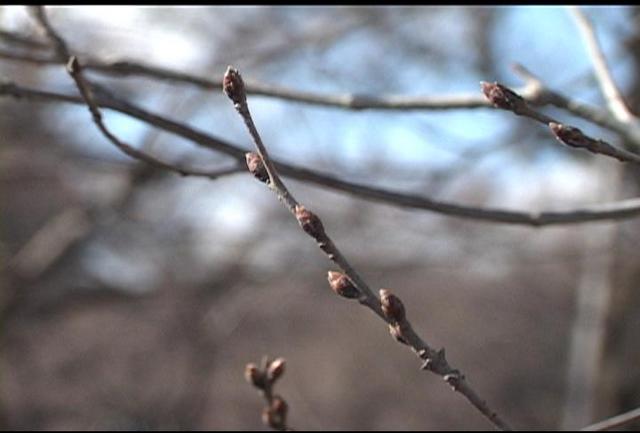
[
  {"x": 254, "y": 376},
  {"x": 503, "y": 97},
  {"x": 275, "y": 370},
  {"x": 233, "y": 86}
]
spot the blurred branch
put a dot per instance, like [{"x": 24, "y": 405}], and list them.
[
  {"x": 388, "y": 307},
  {"x": 51, "y": 241},
  {"x": 545, "y": 95},
  {"x": 617, "y": 421},
  {"x": 503, "y": 97},
  {"x": 610, "y": 91},
  {"x": 22, "y": 40},
  {"x": 264, "y": 378},
  {"x": 601, "y": 212}
]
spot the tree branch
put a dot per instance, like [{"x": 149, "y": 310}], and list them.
[
  {"x": 610, "y": 91},
  {"x": 388, "y": 307},
  {"x": 503, "y": 97},
  {"x": 601, "y": 212},
  {"x": 534, "y": 91},
  {"x": 617, "y": 421}
]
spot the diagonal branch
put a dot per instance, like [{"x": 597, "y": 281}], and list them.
[
  {"x": 388, "y": 307},
  {"x": 609, "y": 89},
  {"x": 618, "y": 421},
  {"x": 503, "y": 97}
]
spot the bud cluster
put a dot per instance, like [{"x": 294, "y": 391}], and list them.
[{"x": 275, "y": 412}]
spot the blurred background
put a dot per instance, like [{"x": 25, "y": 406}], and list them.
[{"x": 132, "y": 298}]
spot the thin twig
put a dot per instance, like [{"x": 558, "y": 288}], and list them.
[
  {"x": 75, "y": 70},
  {"x": 264, "y": 378},
  {"x": 62, "y": 50},
  {"x": 23, "y": 40},
  {"x": 387, "y": 306},
  {"x": 600, "y": 212},
  {"x": 503, "y": 97},
  {"x": 609, "y": 89},
  {"x": 617, "y": 421},
  {"x": 543, "y": 95}
]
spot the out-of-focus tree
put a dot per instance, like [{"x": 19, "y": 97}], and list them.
[{"x": 132, "y": 297}]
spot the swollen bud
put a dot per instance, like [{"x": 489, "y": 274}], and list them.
[
  {"x": 392, "y": 306},
  {"x": 503, "y": 97},
  {"x": 233, "y": 86},
  {"x": 254, "y": 376},
  {"x": 275, "y": 415},
  {"x": 256, "y": 166},
  {"x": 309, "y": 222},
  {"x": 275, "y": 370},
  {"x": 342, "y": 285},
  {"x": 569, "y": 135}
]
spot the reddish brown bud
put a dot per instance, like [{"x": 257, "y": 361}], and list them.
[
  {"x": 275, "y": 369},
  {"x": 342, "y": 285},
  {"x": 256, "y": 166},
  {"x": 275, "y": 415},
  {"x": 569, "y": 135},
  {"x": 254, "y": 376},
  {"x": 309, "y": 222},
  {"x": 503, "y": 97},
  {"x": 392, "y": 306},
  {"x": 233, "y": 86}
]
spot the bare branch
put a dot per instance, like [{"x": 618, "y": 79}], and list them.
[
  {"x": 75, "y": 71},
  {"x": 24, "y": 41},
  {"x": 346, "y": 100},
  {"x": 503, "y": 97},
  {"x": 543, "y": 95},
  {"x": 617, "y": 421},
  {"x": 263, "y": 379},
  {"x": 388, "y": 307},
  {"x": 602, "y": 212},
  {"x": 62, "y": 50},
  {"x": 610, "y": 91}
]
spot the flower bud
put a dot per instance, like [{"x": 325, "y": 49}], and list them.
[
  {"x": 256, "y": 166},
  {"x": 342, "y": 285},
  {"x": 233, "y": 86},
  {"x": 309, "y": 222},
  {"x": 254, "y": 376},
  {"x": 275, "y": 415},
  {"x": 392, "y": 306},
  {"x": 503, "y": 97},
  {"x": 275, "y": 370},
  {"x": 569, "y": 135}
]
